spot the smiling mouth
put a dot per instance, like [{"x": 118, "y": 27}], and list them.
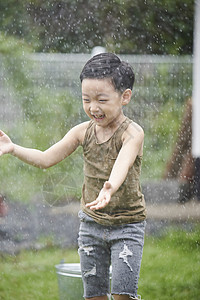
[{"x": 98, "y": 117}]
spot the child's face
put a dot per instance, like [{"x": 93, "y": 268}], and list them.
[{"x": 101, "y": 102}]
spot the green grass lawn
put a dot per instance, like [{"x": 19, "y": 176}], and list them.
[
  {"x": 170, "y": 270},
  {"x": 171, "y": 267}
]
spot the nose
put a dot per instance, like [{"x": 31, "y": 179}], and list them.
[{"x": 94, "y": 107}]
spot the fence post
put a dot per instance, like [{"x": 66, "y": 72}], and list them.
[{"x": 196, "y": 98}]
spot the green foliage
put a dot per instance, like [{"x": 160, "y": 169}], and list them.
[
  {"x": 160, "y": 27},
  {"x": 13, "y": 57},
  {"x": 51, "y": 115},
  {"x": 160, "y": 136},
  {"x": 165, "y": 125},
  {"x": 13, "y": 17}
]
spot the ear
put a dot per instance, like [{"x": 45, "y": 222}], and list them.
[{"x": 126, "y": 96}]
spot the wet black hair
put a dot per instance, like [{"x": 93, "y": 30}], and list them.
[{"x": 109, "y": 65}]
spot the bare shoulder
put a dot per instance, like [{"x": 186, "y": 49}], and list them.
[
  {"x": 135, "y": 131},
  {"x": 134, "y": 136},
  {"x": 137, "y": 127},
  {"x": 80, "y": 130}
]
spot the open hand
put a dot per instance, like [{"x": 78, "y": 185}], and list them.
[
  {"x": 103, "y": 199},
  {"x": 6, "y": 145}
]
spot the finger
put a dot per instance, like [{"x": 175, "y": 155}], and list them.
[
  {"x": 98, "y": 206},
  {"x": 95, "y": 202},
  {"x": 101, "y": 204}
]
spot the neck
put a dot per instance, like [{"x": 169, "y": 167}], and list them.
[{"x": 104, "y": 133}]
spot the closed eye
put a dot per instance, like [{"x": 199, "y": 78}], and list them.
[
  {"x": 103, "y": 100},
  {"x": 86, "y": 100}
]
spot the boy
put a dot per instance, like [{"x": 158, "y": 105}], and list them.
[{"x": 112, "y": 206}]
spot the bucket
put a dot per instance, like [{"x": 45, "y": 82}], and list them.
[{"x": 70, "y": 281}]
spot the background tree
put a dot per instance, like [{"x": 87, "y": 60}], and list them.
[{"x": 135, "y": 27}]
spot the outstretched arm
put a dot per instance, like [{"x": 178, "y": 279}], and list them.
[
  {"x": 132, "y": 146},
  {"x": 48, "y": 158}
]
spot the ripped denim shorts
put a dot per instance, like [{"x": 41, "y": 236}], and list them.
[{"x": 100, "y": 246}]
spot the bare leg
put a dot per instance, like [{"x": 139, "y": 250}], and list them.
[
  {"x": 98, "y": 298},
  {"x": 123, "y": 297}
]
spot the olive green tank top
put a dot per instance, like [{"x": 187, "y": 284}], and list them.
[{"x": 127, "y": 204}]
